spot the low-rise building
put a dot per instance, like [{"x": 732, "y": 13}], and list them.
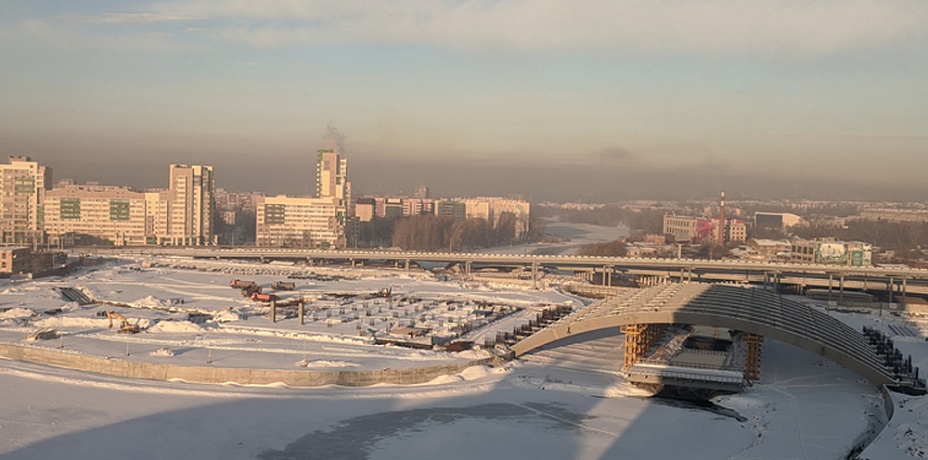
[
  {"x": 365, "y": 209},
  {"x": 685, "y": 229},
  {"x": 895, "y": 215},
  {"x": 776, "y": 220},
  {"x": 769, "y": 250},
  {"x": 831, "y": 252},
  {"x": 16, "y": 260}
]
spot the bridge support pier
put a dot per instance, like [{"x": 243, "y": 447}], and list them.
[
  {"x": 535, "y": 275},
  {"x": 903, "y": 293},
  {"x": 891, "y": 287},
  {"x": 752, "y": 362},
  {"x": 841, "y": 289},
  {"x": 639, "y": 338}
]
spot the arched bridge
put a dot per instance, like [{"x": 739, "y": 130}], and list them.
[{"x": 751, "y": 310}]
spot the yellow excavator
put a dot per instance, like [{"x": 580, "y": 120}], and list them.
[{"x": 124, "y": 327}]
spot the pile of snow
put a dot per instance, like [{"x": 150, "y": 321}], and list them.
[
  {"x": 165, "y": 351},
  {"x": 476, "y": 372},
  {"x": 175, "y": 327},
  {"x": 16, "y": 313},
  {"x": 74, "y": 322},
  {"x": 228, "y": 314},
  {"x": 150, "y": 301}
]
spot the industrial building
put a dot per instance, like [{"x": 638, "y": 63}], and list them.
[
  {"x": 776, "y": 220},
  {"x": 831, "y": 252},
  {"x": 895, "y": 215},
  {"x": 18, "y": 260},
  {"x": 685, "y": 229}
]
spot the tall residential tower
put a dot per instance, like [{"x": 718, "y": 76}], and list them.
[
  {"x": 332, "y": 183},
  {"x": 190, "y": 206},
  {"x": 22, "y": 190}
]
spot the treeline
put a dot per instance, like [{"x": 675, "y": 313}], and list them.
[
  {"x": 638, "y": 220},
  {"x": 438, "y": 233},
  {"x": 812, "y": 209}
]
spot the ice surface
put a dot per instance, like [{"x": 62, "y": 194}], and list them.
[{"x": 566, "y": 401}]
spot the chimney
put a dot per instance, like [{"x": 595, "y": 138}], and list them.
[{"x": 722, "y": 224}]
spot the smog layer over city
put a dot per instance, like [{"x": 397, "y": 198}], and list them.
[{"x": 463, "y": 229}]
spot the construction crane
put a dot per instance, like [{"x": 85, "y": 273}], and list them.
[{"x": 124, "y": 327}]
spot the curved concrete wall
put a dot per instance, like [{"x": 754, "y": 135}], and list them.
[{"x": 208, "y": 374}]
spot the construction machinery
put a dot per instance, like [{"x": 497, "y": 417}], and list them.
[
  {"x": 251, "y": 289},
  {"x": 124, "y": 327},
  {"x": 240, "y": 284},
  {"x": 262, "y": 297},
  {"x": 283, "y": 286}
]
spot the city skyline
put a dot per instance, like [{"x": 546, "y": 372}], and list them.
[{"x": 534, "y": 98}]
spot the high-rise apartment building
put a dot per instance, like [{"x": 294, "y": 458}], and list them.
[
  {"x": 284, "y": 221},
  {"x": 190, "y": 207},
  {"x": 332, "y": 175},
  {"x": 323, "y": 221},
  {"x": 87, "y": 215},
  {"x": 22, "y": 190},
  {"x": 332, "y": 183},
  {"x": 493, "y": 210},
  {"x": 98, "y": 214}
]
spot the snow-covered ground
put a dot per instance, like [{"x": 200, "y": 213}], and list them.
[
  {"x": 566, "y": 401},
  {"x": 341, "y": 320}
]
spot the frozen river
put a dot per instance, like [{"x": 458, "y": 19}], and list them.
[{"x": 567, "y": 401}]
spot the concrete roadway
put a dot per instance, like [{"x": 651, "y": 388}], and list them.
[{"x": 899, "y": 280}]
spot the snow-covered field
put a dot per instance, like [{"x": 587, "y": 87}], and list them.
[{"x": 567, "y": 401}]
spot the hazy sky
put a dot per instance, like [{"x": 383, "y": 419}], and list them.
[{"x": 731, "y": 94}]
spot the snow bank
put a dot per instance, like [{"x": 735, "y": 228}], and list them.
[
  {"x": 175, "y": 327},
  {"x": 325, "y": 363},
  {"x": 16, "y": 313},
  {"x": 73, "y": 322},
  {"x": 228, "y": 314}
]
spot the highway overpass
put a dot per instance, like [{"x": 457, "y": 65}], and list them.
[{"x": 896, "y": 281}]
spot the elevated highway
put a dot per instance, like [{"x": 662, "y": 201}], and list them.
[{"x": 896, "y": 281}]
